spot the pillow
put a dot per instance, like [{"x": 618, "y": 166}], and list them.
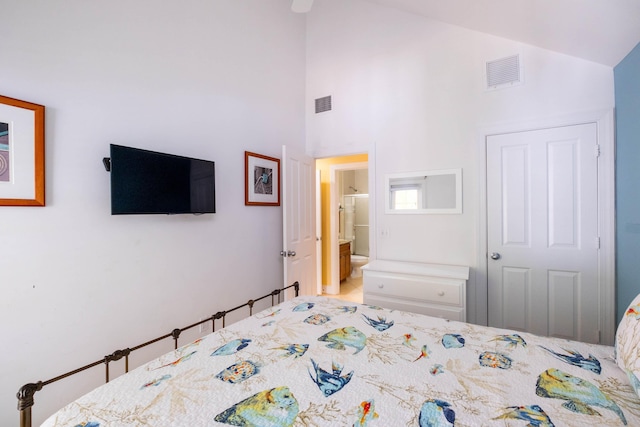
[{"x": 628, "y": 343}]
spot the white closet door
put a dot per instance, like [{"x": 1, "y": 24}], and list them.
[{"x": 542, "y": 228}]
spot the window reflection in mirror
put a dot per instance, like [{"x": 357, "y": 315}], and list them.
[{"x": 427, "y": 192}]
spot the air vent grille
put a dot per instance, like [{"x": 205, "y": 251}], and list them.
[
  {"x": 504, "y": 72},
  {"x": 323, "y": 104}
]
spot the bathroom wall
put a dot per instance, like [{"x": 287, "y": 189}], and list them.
[{"x": 355, "y": 181}]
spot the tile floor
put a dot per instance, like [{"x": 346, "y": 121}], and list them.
[{"x": 350, "y": 290}]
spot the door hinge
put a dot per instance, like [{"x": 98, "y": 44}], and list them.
[
  {"x": 597, "y": 150},
  {"x": 597, "y": 242}
]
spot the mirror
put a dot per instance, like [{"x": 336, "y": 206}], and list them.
[{"x": 425, "y": 192}]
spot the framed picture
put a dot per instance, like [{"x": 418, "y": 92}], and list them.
[
  {"x": 21, "y": 153},
  {"x": 261, "y": 180}
]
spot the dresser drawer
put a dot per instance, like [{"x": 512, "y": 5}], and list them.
[
  {"x": 443, "y": 312},
  {"x": 425, "y": 289}
]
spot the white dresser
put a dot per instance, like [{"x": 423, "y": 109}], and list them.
[{"x": 434, "y": 289}]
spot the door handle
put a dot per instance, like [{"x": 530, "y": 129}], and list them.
[
  {"x": 495, "y": 256},
  {"x": 291, "y": 253}
]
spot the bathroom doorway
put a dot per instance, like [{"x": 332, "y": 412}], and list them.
[
  {"x": 350, "y": 223},
  {"x": 353, "y": 230},
  {"x": 345, "y": 220}
]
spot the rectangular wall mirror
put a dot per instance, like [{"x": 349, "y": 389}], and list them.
[{"x": 424, "y": 192}]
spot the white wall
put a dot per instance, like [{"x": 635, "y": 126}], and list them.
[
  {"x": 200, "y": 78},
  {"x": 411, "y": 91}
]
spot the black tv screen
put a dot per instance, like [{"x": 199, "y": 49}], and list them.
[{"x": 146, "y": 182}]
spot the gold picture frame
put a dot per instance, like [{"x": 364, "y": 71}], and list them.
[
  {"x": 21, "y": 153},
  {"x": 261, "y": 180}
]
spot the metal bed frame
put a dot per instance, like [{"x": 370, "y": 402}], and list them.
[{"x": 27, "y": 391}]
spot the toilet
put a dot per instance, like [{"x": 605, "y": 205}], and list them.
[{"x": 357, "y": 261}]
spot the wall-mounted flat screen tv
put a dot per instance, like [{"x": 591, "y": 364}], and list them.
[{"x": 147, "y": 182}]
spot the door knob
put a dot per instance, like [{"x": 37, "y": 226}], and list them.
[
  {"x": 495, "y": 255},
  {"x": 291, "y": 253}
]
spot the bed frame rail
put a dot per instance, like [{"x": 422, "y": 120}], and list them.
[{"x": 27, "y": 391}]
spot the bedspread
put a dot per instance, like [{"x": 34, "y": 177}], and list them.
[{"x": 315, "y": 361}]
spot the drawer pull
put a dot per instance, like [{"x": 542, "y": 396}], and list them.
[
  {"x": 441, "y": 293},
  {"x": 381, "y": 286}
]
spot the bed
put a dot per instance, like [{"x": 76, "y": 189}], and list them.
[{"x": 316, "y": 361}]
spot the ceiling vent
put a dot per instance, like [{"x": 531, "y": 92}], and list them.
[
  {"x": 505, "y": 72},
  {"x": 323, "y": 104}
]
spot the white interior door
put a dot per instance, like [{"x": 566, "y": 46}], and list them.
[
  {"x": 542, "y": 232},
  {"x": 298, "y": 216}
]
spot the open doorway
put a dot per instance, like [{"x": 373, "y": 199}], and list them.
[
  {"x": 345, "y": 224},
  {"x": 351, "y": 190}
]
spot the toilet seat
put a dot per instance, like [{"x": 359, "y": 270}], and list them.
[{"x": 357, "y": 261}]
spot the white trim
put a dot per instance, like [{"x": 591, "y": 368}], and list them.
[
  {"x": 604, "y": 120},
  {"x": 318, "y": 209},
  {"x": 606, "y": 219},
  {"x": 373, "y": 191}
]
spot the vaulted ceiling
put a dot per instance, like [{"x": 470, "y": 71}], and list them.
[{"x": 602, "y": 31}]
